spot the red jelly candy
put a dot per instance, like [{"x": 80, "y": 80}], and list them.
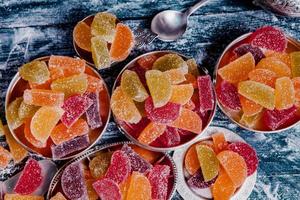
[
  {"x": 270, "y": 38},
  {"x": 248, "y": 153},
  {"x": 107, "y": 189},
  {"x": 93, "y": 112},
  {"x": 228, "y": 96},
  {"x": 165, "y": 114},
  {"x": 158, "y": 178},
  {"x": 119, "y": 168},
  {"x": 197, "y": 180},
  {"x": 245, "y": 48},
  {"x": 206, "y": 95},
  {"x": 147, "y": 61},
  {"x": 169, "y": 138},
  {"x": 30, "y": 179}
]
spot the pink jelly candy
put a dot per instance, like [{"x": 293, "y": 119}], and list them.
[
  {"x": 136, "y": 161},
  {"x": 30, "y": 178},
  {"x": 245, "y": 48},
  {"x": 165, "y": 114},
  {"x": 159, "y": 177},
  {"x": 228, "y": 96},
  {"x": 93, "y": 112},
  {"x": 119, "y": 168},
  {"x": 269, "y": 37},
  {"x": 169, "y": 138},
  {"x": 197, "y": 180},
  {"x": 248, "y": 153},
  {"x": 72, "y": 182},
  {"x": 69, "y": 147},
  {"x": 74, "y": 107},
  {"x": 107, "y": 189},
  {"x": 206, "y": 95}
]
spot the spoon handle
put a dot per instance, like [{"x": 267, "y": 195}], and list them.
[{"x": 195, "y": 7}]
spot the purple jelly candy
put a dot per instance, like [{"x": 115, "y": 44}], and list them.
[
  {"x": 70, "y": 146},
  {"x": 107, "y": 189},
  {"x": 245, "y": 48},
  {"x": 159, "y": 178},
  {"x": 206, "y": 95},
  {"x": 170, "y": 137},
  {"x": 228, "y": 96},
  {"x": 93, "y": 112},
  {"x": 136, "y": 161},
  {"x": 197, "y": 181},
  {"x": 74, "y": 107},
  {"x": 72, "y": 182}
]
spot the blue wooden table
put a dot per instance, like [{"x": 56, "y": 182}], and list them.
[{"x": 33, "y": 28}]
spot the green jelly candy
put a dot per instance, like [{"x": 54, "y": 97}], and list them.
[
  {"x": 35, "y": 72},
  {"x": 104, "y": 26},
  {"x": 170, "y": 61},
  {"x": 12, "y": 113},
  {"x": 100, "y": 52}
]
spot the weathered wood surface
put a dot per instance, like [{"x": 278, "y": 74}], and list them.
[{"x": 33, "y": 28}]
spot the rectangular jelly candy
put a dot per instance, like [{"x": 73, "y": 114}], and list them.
[
  {"x": 206, "y": 95},
  {"x": 40, "y": 97},
  {"x": 295, "y": 63},
  {"x": 93, "y": 112},
  {"x": 69, "y": 147},
  {"x": 158, "y": 178}
]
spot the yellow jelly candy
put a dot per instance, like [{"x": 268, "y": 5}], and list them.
[
  {"x": 295, "y": 63},
  {"x": 104, "y": 25},
  {"x": 82, "y": 36},
  {"x": 193, "y": 67},
  {"x": 123, "y": 107},
  {"x": 35, "y": 72},
  {"x": 44, "y": 121},
  {"x": 223, "y": 188},
  {"x": 170, "y": 61},
  {"x": 5, "y": 157},
  {"x": 139, "y": 188},
  {"x": 92, "y": 194},
  {"x": 296, "y": 82},
  {"x": 259, "y": 93},
  {"x": 284, "y": 93},
  {"x": 151, "y": 132},
  {"x": 181, "y": 94},
  {"x": 58, "y": 196},
  {"x": 238, "y": 69},
  {"x": 282, "y": 56},
  {"x": 12, "y": 113},
  {"x": 22, "y": 197},
  {"x": 176, "y": 76},
  {"x": 26, "y": 110},
  {"x": 100, "y": 53},
  {"x": 159, "y": 86},
  {"x": 275, "y": 65},
  {"x": 251, "y": 121},
  {"x": 132, "y": 86},
  {"x": 249, "y": 107},
  {"x": 1, "y": 128}
]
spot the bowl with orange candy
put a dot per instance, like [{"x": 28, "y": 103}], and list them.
[
  {"x": 221, "y": 165},
  {"x": 57, "y": 106},
  {"x": 162, "y": 100},
  {"x": 101, "y": 40},
  {"x": 257, "y": 80}
]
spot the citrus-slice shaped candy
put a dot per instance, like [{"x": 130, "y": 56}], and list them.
[
  {"x": 27, "y": 111},
  {"x": 228, "y": 96},
  {"x": 191, "y": 161},
  {"x": 219, "y": 142},
  {"x": 5, "y": 157},
  {"x": 99, "y": 164},
  {"x": 264, "y": 76},
  {"x": 170, "y": 61},
  {"x": 12, "y": 113},
  {"x": 295, "y": 63},
  {"x": 275, "y": 65},
  {"x": 140, "y": 187},
  {"x": 151, "y": 132},
  {"x": 192, "y": 67},
  {"x": 176, "y": 76},
  {"x": 282, "y": 56},
  {"x": 223, "y": 188},
  {"x": 82, "y": 36},
  {"x": 107, "y": 189},
  {"x": 249, "y": 107},
  {"x": 159, "y": 179},
  {"x": 58, "y": 196},
  {"x": 22, "y": 197},
  {"x": 30, "y": 138}
]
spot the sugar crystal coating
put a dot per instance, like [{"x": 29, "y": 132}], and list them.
[
  {"x": 58, "y": 196},
  {"x": 284, "y": 93},
  {"x": 275, "y": 65},
  {"x": 26, "y": 110},
  {"x": 107, "y": 189},
  {"x": 35, "y": 72},
  {"x": 99, "y": 164},
  {"x": 159, "y": 178},
  {"x": 249, "y": 107},
  {"x": 140, "y": 187},
  {"x": 104, "y": 25},
  {"x": 264, "y": 76},
  {"x": 282, "y": 56},
  {"x": 151, "y": 132},
  {"x": 92, "y": 194},
  {"x": 206, "y": 94},
  {"x": 191, "y": 161},
  {"x": 176, "y": 76},
  {"x": 245, "y": 48},
  {"x": 197, "y": 180},
  {"x": 251, "y": 121},
  {"x": 296, "y": 82},
  {"x": 5, "y": 157},
  {"x": 22, "y": 197},
  {"x": 82, "y": 36},
  {"x": 1, "y": 128},
  {"x": 30, "y": 138},
  {"x": 100, "y": 53},
  {"x": 12, "y": 113},
  {"x": 93, "y": 112},
  {"x": 95, "y": 84},
  {"x": 181, "y": 94},
  {"x": 41, "y": 97},
  {"x": 223, "y": 188},
  {"x": 228, "y": 96},
  {"x": 170, "y": 61},
  {"x": 295, "y": 63},
  {"x": 170, "y": 137},
  {"x": 146, "y": 62},
  {"x": 219, "y": 142}
]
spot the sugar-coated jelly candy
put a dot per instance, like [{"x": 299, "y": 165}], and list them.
[
  {"x": 104, "y": 25},
  {"x": 248, "y": 153},
  {"x": 295, "y": 63},
  {"x": 40, "y": 97},
  {"x": 119, "y": 168},
  {"x": 122, "y": 43},
  {"x": 146, "y": 62},
  {"x": 238, "y": 69},
  {"x": 257, "y": 92},
  {"x": 151, "y": 132},
  {"x": 219, "y": 142},
  {"x": 41, "y": 130},
  {"x": 228, "y": 96},
  {"x": 124, "y": 187},
  {"x": 58, "y": 196},
  {"x": 150, "y": 156},
  {"x": 30, "y": 179},
  {"x": 159, "y": 178},
  {"x": 132, "y": 86},
  {"x": 284, "y": 93},
  {"x": 137, "y": 163},
  {"x": 191, "y": 161},
  {"x": 92, "y": 194},
  {"x": 251, "y": 121},
  {"x": 74, "y": 107},
  {"x": 76, "y": 84},
  {"x": 275, "y": 65},
  {"x": 123, "y": 107},
  {"x": 160, "y": 87},
  {"x": 273, "y": 119},
  {"x": 93, "y": 112},
  {"x": 197, "y": 180},
  {"x": 82, "y": 36},
  {"x": 296, "y": 82},
  {"x": 100, "y": 53},
  {"x": 70, "y": 146},
  {"x": 17, "y": 151},
  {"x": 94, "y": 84},
  {"x": 5, "y": 157},
  {"x": 282, "y": 56},
  {"x": 1, "y": 128},
  {"x": 99, "y": 164},
  {"x": 264, "y": 76},
  {"x": 170, "y": 137},
  {"x": 12, "y": 113},
  {"x": 72, "y": 182},
  {"x": 35, "y": 72},
  {"x": 189, "y": 78},
  {"x": 245, "y": 48},
  {"x": 170, "y": 61},
  {"x": 192, "y": 67},
  {"x": 269, "y": 37},
  {"x": 223, "y": 188},
  {"x": 176, "y": 76},
  {"x": 249, "y": 107},
  {"x": 22, "y": 197},
  {"x": 206, "y": 94},
  {"x": 208, "y": 162},
  {"x": 165, "y": 114},
  {"x": 44, "y": 86},
  {"x": 190, "y": 105},
  {"x": 181, "y": 94},
  {"x": 26, "y": 110},
  {"x": 107, "y": 189},
  {"x": 139, "y": 188},
  {"x": 30, "y": 138},
  {"x": 189, "y": 121},
  {"x": 234, "y": 165}
]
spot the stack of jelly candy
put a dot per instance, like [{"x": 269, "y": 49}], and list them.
[
  {"x": 259, "y": 85},
  {"x": 218, "y": 166},
  {"x": 162, "y": 100},
  {"x": 59, "y": 107},
  {"x": 107, "y": 40},
  {"x": 124, "y": 172}
]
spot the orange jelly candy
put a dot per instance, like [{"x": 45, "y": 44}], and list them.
[
  {"x": 190, "y": 78},
  {"x": 282, "y": 56},
  {"x": 39, "y": 97},
  {"x": 5, "y": 157},
  {"x": 249, "y": 107},
  {"x": 234, "y": 165},
  {"x": 265, "y": 76},
  {"x": 140, "y": 187},
  {"x": 284, "y": 93},
  {"x": 223, "y": 188},
  {"x": 1, "y": 128},
  {"x": 147, "y": 61},
  {"x": 176, "y": 76},
  {"x": 296, "y": 82},
  {"x": 92, "y": 194},
  {"x": 124, "y": 186},
  {"x": 191, "y": 161},
  {"x": 150, "y": 156},
  {"x": 58, "y": 196},
  {"x": 181, "y": 94},
  {"x": 82, "y": 36},
  {"x": 219, "y": 142},
  {"x": 275, "y": 65},
  {"x": 29, "y": 137},
  {"x": 22, "y": 197},
  {"x": 238, "y": 70},
  {"x": 122, "y": 43},
  {"x": 94, "y": 84},
  {"x": 45, "y": 86},
  {"x": 151, "y": 132}
]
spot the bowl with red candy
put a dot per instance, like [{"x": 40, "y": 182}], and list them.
[
  {"x": 57, "y": 106},
  {"x": 257, "y": 81},
  {"x": 161, "y": 100}
]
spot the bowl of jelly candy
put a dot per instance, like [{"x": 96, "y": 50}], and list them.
[
  {"x": 116, "y": 171},
  {"x": 101, "y": 40},
  {"x": 221, "y": 165},
  {"x": 57, "y": 106},
  {"x": 257, "y": 81},
  {"x": 162, "y": 100}
]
